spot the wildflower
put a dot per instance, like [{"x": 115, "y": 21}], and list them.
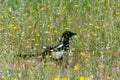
[
  {"x": 94, "y": 34},
  {"x": 54, "y": 64},
  {"x": 38, "y": 35},
  {"x": 87, "y": 78},
  {"x": 40, "y": 57},
  {"x": 97, "y": 27},
  {"x": 90, "y": 24},
  {"x": 36, "y": 44},
  {"x": 11, "y": 26},
  {"x": 75, "y": 68},
  {"x": 15, "y": 79},
  {"x": 103, "y": 1},
  {"x": 82, "y": 53},
  {"x": 33, "y": 39},
  {"x": 50, "y": 26},
  {"x": 4, "y": 78},
  {"x": 55, "y": 31},
  {"x": 14, "y": 27},
  {"x": 66, "y": 28},
  {"x": 1, "y": 16},
  {"x": 52, "y": 50},
  {"x": 19, "y": 69},
  {"x": 117, "y": 13},
  {"x": 0, "y": 28},
  {"x": 42, "y": 9},
  {"x": 13, "y": 17},
  {"x": 76, "y": 6},
  {"x": 28, "y": 46},
  {"x": 84, "y": 78},
  {"x": 30, "y": 27},
  {"x": 1, "y": 22},
  {"x": 84, "y": 8},
  {"x": 56, "y": 78},
  {"x": 65, "y": 78}
]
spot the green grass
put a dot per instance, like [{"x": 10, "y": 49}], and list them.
[{"x": 27, "y": 25}]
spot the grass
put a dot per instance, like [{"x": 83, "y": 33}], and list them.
[{"x": 27, "y": 25}]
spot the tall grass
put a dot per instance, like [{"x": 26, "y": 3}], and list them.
[{"x": 27, "y": 25}]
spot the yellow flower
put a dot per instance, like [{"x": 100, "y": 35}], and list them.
[
  {"x": 1, "y": 16},
  {"x": 97, "y": 27},
  {"x": 1, "y": 23},
  {"x": 87, "y": 78},
  {"x": 38, "y": 35},
  {"x": 55, "y": 31},
  {"x": 14, "y": 27},
  {"x": 36, "y": 44},
  {"x": 14, "y": 17},
  {"x": 82, "y": 78},
  {"x": 33, "y": 39},
  {"x": 42, "y": 9},
  {"x": 40, "y": 57},
  {"x": 11, "y": 26},
  {"x": 15, "y": 79},
  {"x": 28, "y": 46},
  {"x": 90, "y": 24},
  {"x": 94, "y": 34},
  {"x": 66, "y": 28},
  {"x": 75, "y": 68},
  {"x": 103, "y": 1},
  {"x": 0, "y": 28},
  {"x": 117, "y": 13},
  {"x": 54, "y": 64},
  {"x": 52, "y": 50},
  {"x": 19, "y": 69},
  {"x": 4, "y": 78},
  {"x": 30, "y": 27},
  {"x": 76, "y": 6},
  {"x": 56, "y": 78},
  {"x": 50, "y": 26},
  {"x": 65, "y": 78},
  {"x": 82, "y": 53}
]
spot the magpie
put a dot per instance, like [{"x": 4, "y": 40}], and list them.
[{"x": 56, "y": 51}]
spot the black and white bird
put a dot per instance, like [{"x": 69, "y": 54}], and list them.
[{"x": 57, "y": 51}]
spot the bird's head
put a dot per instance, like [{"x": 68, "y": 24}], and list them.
[{"x": 68, "y": 34}]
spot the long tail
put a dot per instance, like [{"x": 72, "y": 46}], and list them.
[
  {"x": 43, "y": 54},
  {"x": 26, "y": 55}
]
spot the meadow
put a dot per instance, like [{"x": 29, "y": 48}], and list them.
[{"x": 27, "y": 25}]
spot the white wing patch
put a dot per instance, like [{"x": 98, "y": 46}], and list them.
[
  {"x": 57, "y": 54},
  {"x": 59, "y": 46}
]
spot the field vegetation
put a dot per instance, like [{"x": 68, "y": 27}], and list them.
[{"x": 27, "y": 25}]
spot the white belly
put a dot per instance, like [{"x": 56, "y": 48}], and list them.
[{"x": 57, "y": 55}]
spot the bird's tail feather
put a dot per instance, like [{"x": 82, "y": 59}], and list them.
[
  {"x": 26, "y": 55},
  {"x": 31, "y": 55}
]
